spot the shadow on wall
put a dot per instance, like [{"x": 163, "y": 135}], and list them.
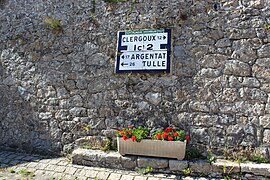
[{"x": 18, "y": 122}]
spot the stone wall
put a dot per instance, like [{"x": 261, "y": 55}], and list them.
[{"x": 56, "y": 85}]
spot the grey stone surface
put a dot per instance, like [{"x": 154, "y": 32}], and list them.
[
  {"x": 201, "y": 166},
  {"x": 155, "y": 163},
  {"x": 52, "y": 84},
  {"x": 175, "y": 165}
]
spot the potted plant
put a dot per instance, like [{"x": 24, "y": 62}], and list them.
[{"x": 170, "y": 143}]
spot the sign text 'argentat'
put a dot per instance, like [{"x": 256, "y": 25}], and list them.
[{"x": 144, "y": 51}]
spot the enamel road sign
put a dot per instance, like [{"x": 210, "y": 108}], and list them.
[{"x": 144, "y": 51}]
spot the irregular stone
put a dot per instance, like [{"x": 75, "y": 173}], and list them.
[
  {"x": 209, "y": 73},
  {"x": 266, "y": 136},
  {"x": 213, "y": 61},
  {"x": 251, "y": 82},
  {"x": 237, "y": 68},
  {"x": 253, "y": 94},
  {"x": 154, "y": 98},
  {"x": 78, "y": 112},
  {"x": 265, "y": 121},
  {"x": 264, "y": 51},
  {"x": 155, "y": 163},
  {"x": 45, "y": 116},
  {"x": 225, "y": 42}
]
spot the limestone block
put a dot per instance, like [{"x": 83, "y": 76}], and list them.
[
  {"x": 224, "y": 166},
  {"x": 176, "y": 165},
  {"x": 200, "y": 166},
  {"x": 128, "y": 162},
  {"x": 155, "y": 163},
  {"x": 257, "y": 169},
  {"x": 113, "y": 160}
]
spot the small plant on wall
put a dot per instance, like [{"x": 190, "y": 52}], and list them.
[{"x": 54, "y": 24}]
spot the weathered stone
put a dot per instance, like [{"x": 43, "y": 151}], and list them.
[
  {"x": 175, "y": 165},
  {"x": 153, "y": 98},
  {"x": 265, "y": 121},
  {"x": 225, "y": 42},
  {"x": 78, "y": 111},
  {"x": 113, "y": 160},
  {"x": 201, "y": 166},
  {"x": 266, "y": 136},
  {"x": 128, "y": 162},
  {"x": 213, "y": 61},
  {"x": 251, "y": 82},
  {"x": 264, "y": 51},
  {"x": 253, "y": 94},
  {"x": 155, "y": 163},
  {"x": 237, "y": 68},
  {"x": 257, "y": 169},
  {"x": 227, "y": 167}
]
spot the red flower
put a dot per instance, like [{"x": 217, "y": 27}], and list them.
[
  {"x": 169, "y": 129},
  {"x": 125, "y": 138},
  {"x": 187, "y": 137},
  {"x": 170, "y": 138},
  {"x": 165, "y": 135},
  {"x": 129, "y": 133},
  {"x": 159, "y": 136},
  {"x": 130, "y": 127},
  {"x": 122, "y": 133},
  {"x": 176, "y": 134},
  {"x": 133, "y": 138}
]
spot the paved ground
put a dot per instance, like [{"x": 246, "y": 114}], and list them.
[{"x": 21, "y": 166}]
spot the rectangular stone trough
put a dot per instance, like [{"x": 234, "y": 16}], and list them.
[{"x": 156, "y": 148}]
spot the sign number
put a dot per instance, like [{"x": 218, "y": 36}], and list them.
[{"x": 140, "y": 48}]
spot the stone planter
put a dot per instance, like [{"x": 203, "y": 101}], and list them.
[{"x": 148, "y": 147}]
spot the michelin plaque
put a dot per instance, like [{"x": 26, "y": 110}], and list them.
[{"x": 144, "y": 51}]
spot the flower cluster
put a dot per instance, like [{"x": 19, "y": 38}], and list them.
[
  {"x": 137, "y": 134},
  {"x": 170, "y": 134}
]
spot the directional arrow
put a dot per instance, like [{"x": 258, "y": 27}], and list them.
[
  {"x": 164, "y": 37},
  {"x": 123, "y": 64},
  {"x": 123, "y": 57}
]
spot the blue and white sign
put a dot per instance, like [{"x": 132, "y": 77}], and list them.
[{"x": 144, "y": 51}]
